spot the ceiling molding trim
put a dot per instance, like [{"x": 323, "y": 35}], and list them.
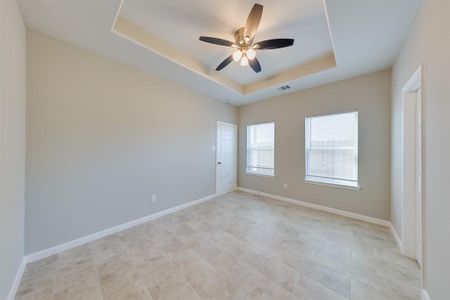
[
  {"x": 330, "y": 32},
  {"x": 139, "y": 36},
  {"x": 307, "y": 69}
]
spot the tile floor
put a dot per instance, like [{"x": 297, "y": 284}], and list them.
[{"x": 237, "y": 246}]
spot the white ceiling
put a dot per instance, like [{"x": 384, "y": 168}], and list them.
[
  {"x": 180, "y": 23},
  {"x": 366, "y": 36}
]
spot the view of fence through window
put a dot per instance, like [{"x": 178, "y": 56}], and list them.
[
  {"x": 260, "y": 149},
  {"x": 331, "y": 144}
]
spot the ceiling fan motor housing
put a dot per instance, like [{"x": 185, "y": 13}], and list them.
[{"x": 239, "y": 36}]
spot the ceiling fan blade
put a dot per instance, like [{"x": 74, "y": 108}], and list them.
[
  {"x": 225, "y": 63},
  {"x": 254, "y": 64},
  {"x": 273, "y": 44},
  {"x": 253, "y": 20},
  {"x": 216, "y": 41}
]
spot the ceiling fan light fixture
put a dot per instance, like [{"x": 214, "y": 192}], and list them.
[
  {"x": 251, "y": 54},
  {"x": 237, "y": 55},
  {"x": 244, "y": 61},
  {"x": 243, "y": 46}
]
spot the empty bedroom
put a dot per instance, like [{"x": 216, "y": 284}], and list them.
[{"x": 241, "y": 149}]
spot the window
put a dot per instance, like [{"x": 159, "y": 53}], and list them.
[
  {"x": 332, "y": 149},
  {"x": 260, "y": 149}
]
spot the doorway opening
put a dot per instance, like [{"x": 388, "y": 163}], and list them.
[{"x": 412, "y": 168}]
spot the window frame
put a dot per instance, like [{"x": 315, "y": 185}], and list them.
[
  {"x": 247, "y": 150},
  {"x": 330, "y": 181}
]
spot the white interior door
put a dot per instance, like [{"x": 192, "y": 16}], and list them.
[
  {"x": 226, "y": 157},
  {"x": 419, "y": 177}
]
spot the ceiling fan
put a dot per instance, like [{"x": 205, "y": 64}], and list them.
[{"x": 245, "y": 48}]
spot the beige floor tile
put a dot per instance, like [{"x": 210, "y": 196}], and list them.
[
  {"x": 135, "y": 291},
  {"x": 105, "y": 248},
  {"x": 159, "y": 275},
  {"x": 38, "y": 280},
  {"x": 206, "y": 280},
  {"x": 117, "y": 273},
  {"x": 237, "y": 246},
  {"x": 186, "y": 292},
  {"x": 331, "y": 278},
  {"x": 366, "y": 291}
]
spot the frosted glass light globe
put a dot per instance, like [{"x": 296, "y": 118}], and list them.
[
  {"x": 244, "y": 61},
  {"x": 237, "y": 55},
  {"x": 251, "y": 54}
]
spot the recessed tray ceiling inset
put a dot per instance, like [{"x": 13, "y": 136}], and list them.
[{"x": 172, "y": 28}]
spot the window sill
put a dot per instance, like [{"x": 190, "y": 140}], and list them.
[
  {"x": 333, "y": 183},
  {"x": 260, "y": 175}
]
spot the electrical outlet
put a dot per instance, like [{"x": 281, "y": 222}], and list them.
[
  {"x": 285, "y": 186},
  {"x": 153, "y": 198}
]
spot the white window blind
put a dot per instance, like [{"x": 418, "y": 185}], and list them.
[
  {"x": 260, "y": 149},
  {"x": 332, "y": 149}
]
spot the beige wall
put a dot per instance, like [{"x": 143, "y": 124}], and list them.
[
  {"x": 370, "y": 95},
  {"x": 428, "y": 43},
  {"x": 12, "y": 142},
  {"x": 102, "y": 137}
]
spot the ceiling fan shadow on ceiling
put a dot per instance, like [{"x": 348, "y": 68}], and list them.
[{"x": 245, "y": 48}]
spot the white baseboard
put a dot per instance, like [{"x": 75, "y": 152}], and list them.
[
  {"x": 320, "y": 207},
  {"x": 396, "y": 238},
  {"x": 425, "y": 295},
  {"x": 92, "y": 237},
  {"x": 16, "y": 282},
  {"x": 89, "y": 238}
]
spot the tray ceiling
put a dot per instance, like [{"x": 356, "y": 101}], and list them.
[{"x": 334, "y": 39}]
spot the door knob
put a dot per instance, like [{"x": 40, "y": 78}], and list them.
[{"x": 219, "y": 163}]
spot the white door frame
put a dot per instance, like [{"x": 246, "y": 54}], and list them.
[
  {"x": 412, "y": 201},
  {"x": 235, "y": 153}
]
